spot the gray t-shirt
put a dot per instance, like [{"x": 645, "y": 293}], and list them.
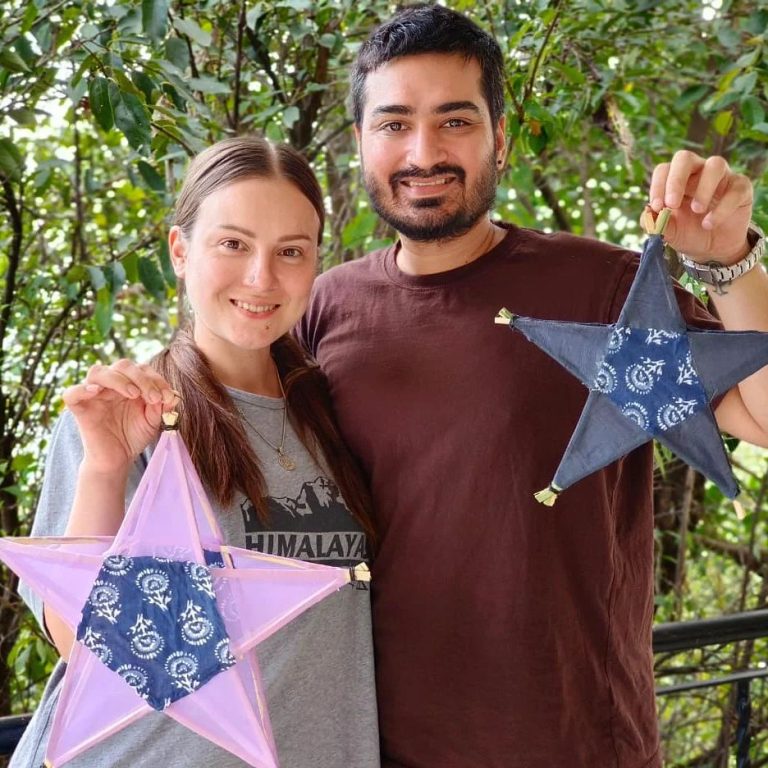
[{"x": 317, "y": 670}]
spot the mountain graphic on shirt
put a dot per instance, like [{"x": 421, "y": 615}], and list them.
[{"x": 316, "y": 525}]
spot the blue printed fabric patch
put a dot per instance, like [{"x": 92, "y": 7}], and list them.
[
  {"x": 649, "y": 375},
  {"x": 155, "y": 622}
]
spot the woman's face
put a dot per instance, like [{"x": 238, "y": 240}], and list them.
[{"x": 248, "y": 264}]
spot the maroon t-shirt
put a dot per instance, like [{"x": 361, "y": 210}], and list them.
[{"x": 507, "y": 634}]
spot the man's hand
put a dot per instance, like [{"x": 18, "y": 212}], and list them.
[{"x": 711, "y": 207}]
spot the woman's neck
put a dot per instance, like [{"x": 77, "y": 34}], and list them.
[{"x": 251, "y": 371}]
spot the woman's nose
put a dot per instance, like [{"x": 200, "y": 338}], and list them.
[{"x": 260, "y": 274}]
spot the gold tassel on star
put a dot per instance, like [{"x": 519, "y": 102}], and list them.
[{"x": 548, "y": 496}]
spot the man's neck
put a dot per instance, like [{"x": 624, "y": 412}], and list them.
[{"x": 429, "y": 258}]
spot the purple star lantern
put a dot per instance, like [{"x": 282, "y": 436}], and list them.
[
  {"x": 649, "y": 376},
  {"x": 167, "y": 617}
]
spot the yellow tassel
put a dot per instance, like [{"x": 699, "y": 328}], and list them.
[
  {"x": 547, "y": 496},
  {"x": 738, "y": 505}
]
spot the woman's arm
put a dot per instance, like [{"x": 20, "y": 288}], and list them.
[{"x": 118, "y": 412}]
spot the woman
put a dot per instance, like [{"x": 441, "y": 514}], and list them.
[{"x": 257, "y": 421}]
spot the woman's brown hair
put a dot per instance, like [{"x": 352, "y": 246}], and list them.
[{"x": 211, "y": 426}]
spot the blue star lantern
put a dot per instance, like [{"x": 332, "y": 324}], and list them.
[{"x": 649, "y": 376}]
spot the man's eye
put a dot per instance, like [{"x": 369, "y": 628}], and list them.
[
  {"x": 393, "y": 127},
  {"x": 456, "y": 122}
]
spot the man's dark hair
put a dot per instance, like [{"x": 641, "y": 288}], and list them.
[{"x": 430, "y": 29}]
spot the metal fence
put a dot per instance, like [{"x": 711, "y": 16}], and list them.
[{"x": 667, "y": 638}]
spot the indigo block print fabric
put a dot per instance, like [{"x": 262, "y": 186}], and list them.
[
  {"x": 649, "y": 374},
  {"x": 155, "y": 623}
]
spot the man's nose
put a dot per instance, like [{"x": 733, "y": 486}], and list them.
[{"x": 426, "y": 148}]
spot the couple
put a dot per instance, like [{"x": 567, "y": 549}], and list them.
[{"x": 506, "y": 635}]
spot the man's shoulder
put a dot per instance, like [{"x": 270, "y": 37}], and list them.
[
  {"x": 568, "y": 246},
  {"x": 355, "y": 271}
]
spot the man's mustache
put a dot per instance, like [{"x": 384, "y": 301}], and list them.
[{"x": 436, "y": 170}]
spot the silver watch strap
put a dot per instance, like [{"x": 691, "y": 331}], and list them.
[{"x": 719, "y": 275}]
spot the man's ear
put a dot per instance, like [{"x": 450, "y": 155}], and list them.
[
  {"x": 356, "y": 129},
  {"x": 177, "y": 247},
  {"x": 500, "y": 139}
]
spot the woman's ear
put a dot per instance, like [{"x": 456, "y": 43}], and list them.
[{"x": 177, "y": 247}]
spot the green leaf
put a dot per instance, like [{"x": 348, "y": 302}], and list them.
[
  {"x": 104, "y": 310},
  {"x": 691, "y": 95},
  {"x": 723, "y": 122},
  {"x": 145, "y": 84},
  {"x": 131, "y": 117},
  {"x": 177, "y": 52},
  {"x": 746, "y": 82},
  {"x": 115, "y": 274},
  {"x": 728, "y": 37},
  {"x": 11, "y": 161},
  {"x": 165, "y": 264},
  {"x": 761, "y": 128},
  {"x": 11, "y": 60},
  {"x": 130, "y": 264},
  {"x": 290, "y": 116},
  {"x": 327, "y": 40},
  {"x": 23, "y": 116},
  {"x": 78, "y": 273},
  {"x": 154, "y": 18},
  {"x": 359, "y": 228},
  {"x": 208, "y": 85},
  {"x": 151, "y": 278},
  {"x": 752, "y": 111},
  {"x": 98, "y": 281},
  {"x": 193, "y": 31},
  {"x": 151, "y": 177},
  {"x": 98, "y": 96}
]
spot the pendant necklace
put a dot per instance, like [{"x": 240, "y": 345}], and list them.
[{"x": 283, "y": 459}]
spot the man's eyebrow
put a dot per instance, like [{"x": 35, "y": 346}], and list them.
[
  {"x": 457, "y": 106},
  {"x": 392, "y": 109}
]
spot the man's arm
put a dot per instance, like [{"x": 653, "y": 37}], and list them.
[{"x": 712, "y": 208}]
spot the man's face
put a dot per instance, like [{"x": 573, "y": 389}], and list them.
[{"x": 428, "y": 148}]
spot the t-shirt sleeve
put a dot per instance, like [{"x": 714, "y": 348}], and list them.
[
  {"x": 65, "y": 453},
  {"x": 306, "y": 331}
]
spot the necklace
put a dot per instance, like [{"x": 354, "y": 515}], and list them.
[{"x": 283, "y": 459}]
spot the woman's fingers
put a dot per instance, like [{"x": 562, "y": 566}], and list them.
[{"x": 132, "y": 380}]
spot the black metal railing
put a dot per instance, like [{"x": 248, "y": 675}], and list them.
[
  {"x": 691, "y": 635},
  {"x": 667, "y": 638}
]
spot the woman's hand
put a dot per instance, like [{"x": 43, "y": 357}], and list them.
[{"x": 118, "y": 409}]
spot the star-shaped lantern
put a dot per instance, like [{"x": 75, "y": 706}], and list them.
[
  {"x": 649, "y": 376},
  {"x": 166, "y": 616}
]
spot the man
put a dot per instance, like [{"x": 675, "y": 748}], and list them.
[{"x": 508, "y": 635}]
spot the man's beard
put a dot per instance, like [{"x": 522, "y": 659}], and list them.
[{"x": 422, "y": 225}]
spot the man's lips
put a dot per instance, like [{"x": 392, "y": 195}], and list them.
[{"x": 436, "y": 182}]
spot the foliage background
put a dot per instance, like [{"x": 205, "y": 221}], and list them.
[{"x": 102, "y": 102}]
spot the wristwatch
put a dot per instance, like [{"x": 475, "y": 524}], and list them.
[{"x": 717, "y": 274}]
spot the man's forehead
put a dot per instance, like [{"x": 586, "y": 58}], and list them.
[{"x": 424, "y": 82}]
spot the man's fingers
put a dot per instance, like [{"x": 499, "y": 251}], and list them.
[
  {"x": 736, "y": 195},
  {"x": 683, "y": 167},
  {"x": 711, "y": 184},
  {"x": 658, "y": 183}
]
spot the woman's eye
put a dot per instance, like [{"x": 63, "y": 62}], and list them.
[
  {"x": 291, "y": 253},
  {"x": 231, "y": 244}
]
